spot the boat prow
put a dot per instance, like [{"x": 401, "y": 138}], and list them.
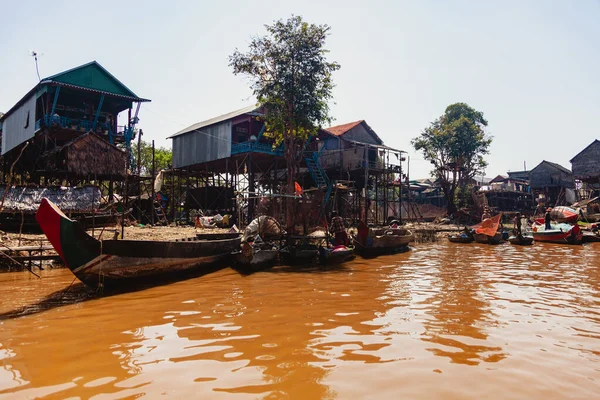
[{"x": 72, "y": 243}]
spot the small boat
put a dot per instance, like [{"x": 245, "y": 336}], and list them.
[
  {"x": 522, "y": 240},
  {"x": 487, "y": 231},
  {"x": 564, "y": 214},
  {"x": 486, "y": 239},
  {"x": 299, "y": 254},
  {"x": 109, "y": 263},
  {"x": 336, "y": 255},
  {"x": 373, "y": 242},
  {"x": 558, "y": 233},
  {"x": 256, "y": 256},
  {"x": 461, "y": 238}
]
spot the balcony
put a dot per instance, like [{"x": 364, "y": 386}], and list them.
[
  {"x": 81, "y": 125},
  {"x": 255, "y": 147}
]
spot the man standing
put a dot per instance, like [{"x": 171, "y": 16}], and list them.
[
  {"x": 517, "y": 225},
  {"x": 548, "y": 219}
]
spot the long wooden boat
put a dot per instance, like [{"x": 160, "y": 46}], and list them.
[
  {"x": 336, "y": 255},
  {"x": 253, "y": 258},
  {"x": 383, "y": 241},
  {"x": 558, "y": 233},
  {"x": 98, "y": 263},
  {"x": 522, "y": 240}
]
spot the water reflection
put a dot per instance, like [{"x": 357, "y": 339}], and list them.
[{"x": 460, "y": 312}]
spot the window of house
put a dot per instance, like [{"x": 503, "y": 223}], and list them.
[{"x": 26, "y": 120}]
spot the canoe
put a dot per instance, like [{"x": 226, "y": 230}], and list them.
[
  {"x": 461, "y": 239},
  {"x": 523, "y": 240},
  {"x": 559, "y": 233},
  {"x": 111, "y": 263},
  {"x": 383, "y": 241},
  {"x": 336, "y": 255},
  {"x": 254, "y": 258}
]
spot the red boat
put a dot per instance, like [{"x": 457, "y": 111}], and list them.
[
  {"x": 559, "y": 233},
  {"x": 564, "y": 214}
]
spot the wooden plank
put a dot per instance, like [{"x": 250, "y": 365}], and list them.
[
  {"x": 36, "y": 258},
  {"x": 27, "y": 248}
]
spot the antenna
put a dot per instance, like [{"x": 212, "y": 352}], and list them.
[{"x": 35, "y": 54}]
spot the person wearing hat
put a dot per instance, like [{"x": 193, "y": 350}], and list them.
[
  {"x": 548, "y": 219},
  {"x": 486, "y": 214}
]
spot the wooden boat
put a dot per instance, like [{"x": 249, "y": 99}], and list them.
[
  {"x": 98, "y": 263},
  {"x": 486, "y": 239},
  {"x": 564, "y": 214},
  {"x": 558, "y": 233},
  {"x": 255, "y": 257},
  {"x": 589, "y": 237},
  {"x": 487, "y": 231},
  {"x": 372, "y": 242},
  {"x": 462, "y": 238},
  {"x": 336, "y": 255},
  {"x": 302, "y": 254},
  {"x": 522, "y": 240}
]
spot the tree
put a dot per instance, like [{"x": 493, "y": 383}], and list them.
[
  {"x": 162, "y": 157},
  {"x": 455, "y": 144},
  {"x": 292, "y": 80}
]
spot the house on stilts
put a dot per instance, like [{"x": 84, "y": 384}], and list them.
[{"x": 229, "y": 164}]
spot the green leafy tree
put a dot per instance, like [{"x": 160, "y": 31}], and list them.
[
  {"x": 162, "y": 157},
  {"x": 455, "y": 144},
  {"x": 292, "y": 80}
]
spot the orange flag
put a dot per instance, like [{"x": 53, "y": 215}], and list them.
[
  {"x": 489, "y": 226},
  {"x": 298, "y": 189}
]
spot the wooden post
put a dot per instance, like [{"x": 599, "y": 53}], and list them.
[{"x": 152, "y": 184}]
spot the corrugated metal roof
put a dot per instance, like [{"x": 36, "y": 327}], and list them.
[
  {"x": 64, "y": 82},
  {"x": 216, "y": 120}
]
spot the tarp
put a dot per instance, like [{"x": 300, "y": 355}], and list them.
[
  {"x": 489, "y": 226},
  {"x": 28, "y": 199}
]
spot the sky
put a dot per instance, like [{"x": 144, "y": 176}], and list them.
[{"x": 531, "y": 66}]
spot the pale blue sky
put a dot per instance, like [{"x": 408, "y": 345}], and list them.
[{"x": 532, "y": 67}]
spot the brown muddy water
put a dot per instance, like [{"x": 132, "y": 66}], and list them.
[{"x": 442, "y": 321}]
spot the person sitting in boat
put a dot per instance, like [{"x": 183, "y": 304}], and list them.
[
  {"x": 466, "y": 232},
  {"x": 548, "y": 219},
  {"x": 486, "y": 214},
  {"x": 339, "y": 230}
]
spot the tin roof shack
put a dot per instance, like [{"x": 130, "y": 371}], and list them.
[
  {"x": 232, "y": 151},
  {"x": 59, "y": 109},
  {"x": 586, "y": 167},
  {"x": 552, "y": 184}
]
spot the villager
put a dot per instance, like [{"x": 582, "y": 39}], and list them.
[
  {"x": 517, "y": 224},
  {"x": 339, "y": 230},
  {"x": 486, "y": 214},
  {"x": 548, "y": 219}
]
